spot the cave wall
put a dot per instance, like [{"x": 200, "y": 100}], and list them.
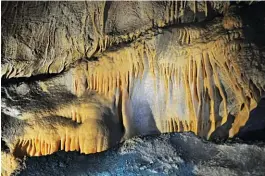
[{"x": 84, "y": 76}]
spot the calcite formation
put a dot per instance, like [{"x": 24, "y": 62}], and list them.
[
  {"x": 102, "y": 72},
  {"x": 46, "y": 37}
]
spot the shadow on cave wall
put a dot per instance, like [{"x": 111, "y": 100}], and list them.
[
  {"x": 253, "y": 18},
  {"x": 254, "y": 128},
  {"x": 222, "y": 132}
]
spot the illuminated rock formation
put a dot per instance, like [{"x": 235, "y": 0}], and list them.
[
  {"x": 46, "y": 37},
  {"x": 168, "y": 70},
  {"x": 9, "y": 164},
  {"x": 164, "y": 154}
]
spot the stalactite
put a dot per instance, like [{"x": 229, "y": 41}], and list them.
[
  {"x": 189, "y": 99},
  {"x": 176, "y": 11},
  {"x": 199, "y": 72},
  {"x": 206, "y": 8},
  {"x": 221, "y": 90},
  {"x": 171, "y": 12},
  {"x": 167, "y": 14},
  {"x": 68, "y": 141},
  {"x": 195, "y": 9}
]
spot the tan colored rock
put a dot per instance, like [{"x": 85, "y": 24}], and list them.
[
  {"x": 47, "y": 37},
  {"x": 147, "y": 75}
]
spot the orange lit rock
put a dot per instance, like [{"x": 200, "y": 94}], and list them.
[
  {"x": 167, "y": 77},
  {"x": 9, "y": 164}
]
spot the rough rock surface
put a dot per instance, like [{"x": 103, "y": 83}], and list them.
[
  {"x": 46, "y": 37},
  {"x": 85, "y": 76},
  {"x": 180, "y": 154}
]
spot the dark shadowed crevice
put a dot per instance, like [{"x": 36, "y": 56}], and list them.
[
  {"x": 222, "y": 132},
  {"x": 254, "y": 129},
  {"x": 17, "y": 80},
  {"x": 254, "y": 24}
]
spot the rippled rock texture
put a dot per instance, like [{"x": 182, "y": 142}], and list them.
[
  {"x": 166, "y": 154},
  {"x": 85, "y": 76}
]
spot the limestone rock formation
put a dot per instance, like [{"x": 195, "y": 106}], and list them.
[
  {"x": 164, "y": 154},
  {"x": 46, "y": 37},
  {"x": 85, "y": 76}
]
